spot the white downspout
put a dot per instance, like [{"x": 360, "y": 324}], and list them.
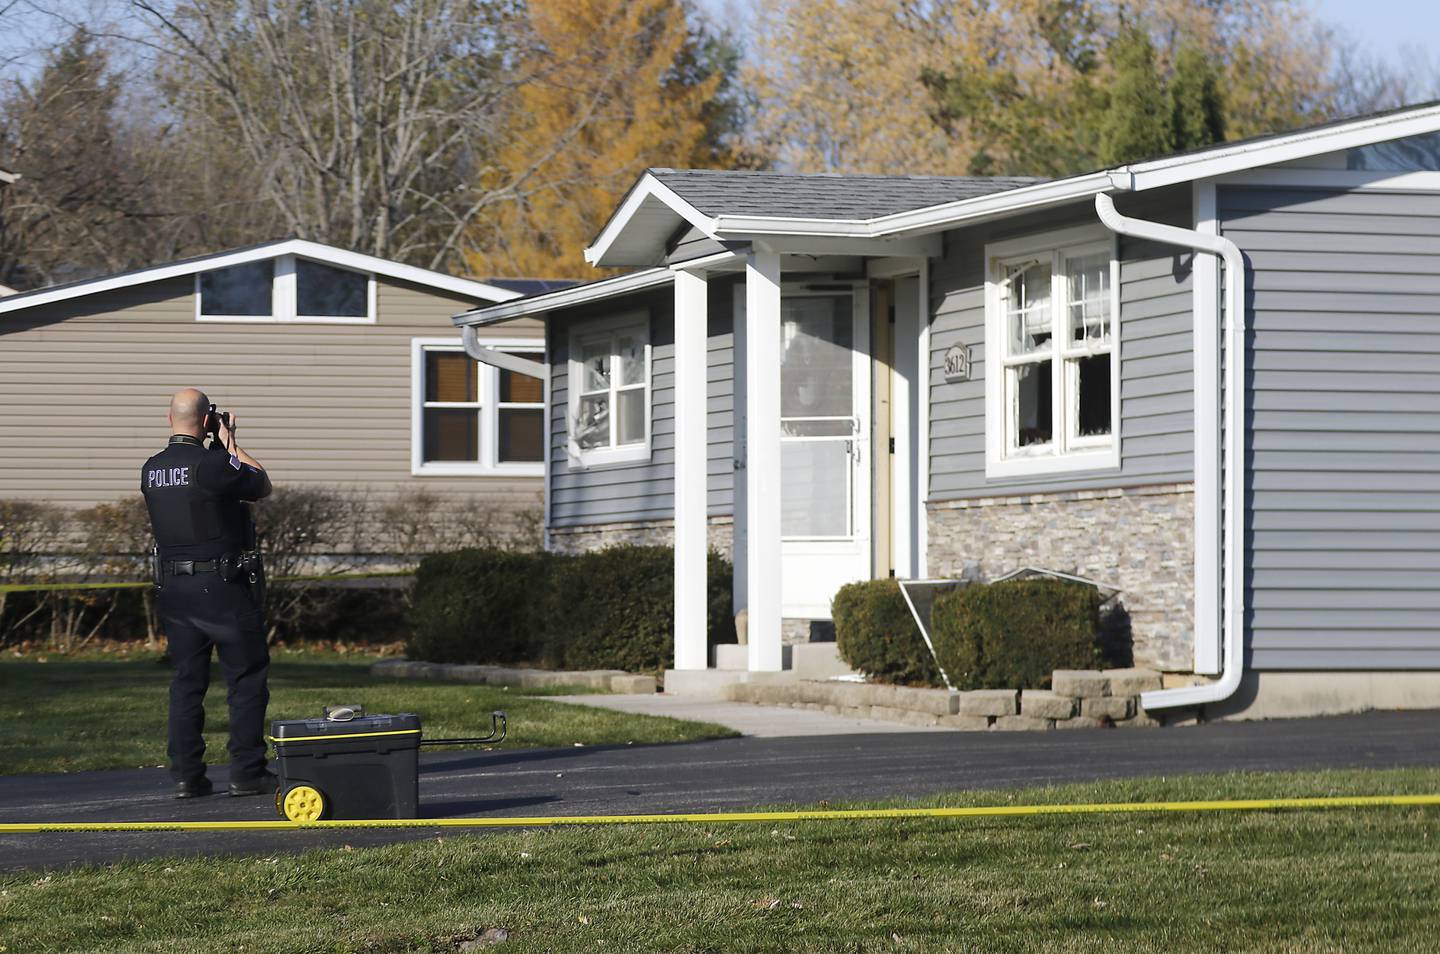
[
  {"x": 1233, "y": 616},
  {"x": 470, "y": 339}
]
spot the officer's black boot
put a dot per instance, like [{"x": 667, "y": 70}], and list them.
[
  {"x": 194, "y": 788},
  {"x": 263, "y": 785}
]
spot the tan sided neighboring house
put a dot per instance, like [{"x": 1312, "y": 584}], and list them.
[{"x": 345, "y": 370}]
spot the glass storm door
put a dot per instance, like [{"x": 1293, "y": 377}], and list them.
[{"x": 824, "y": 449}]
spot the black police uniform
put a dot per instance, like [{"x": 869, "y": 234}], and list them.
[{"x": 195, "y": 496}]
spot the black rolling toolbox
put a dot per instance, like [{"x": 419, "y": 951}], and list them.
[{"x": 349, "y": 765}]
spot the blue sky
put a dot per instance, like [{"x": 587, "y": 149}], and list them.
[{"x": 1386, "y": 26}]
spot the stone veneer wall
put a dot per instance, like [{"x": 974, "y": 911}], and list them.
[
  {"x": 1140, "y": 539},
  {"x": 656, "y": 533}
]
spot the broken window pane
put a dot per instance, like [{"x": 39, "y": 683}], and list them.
[
  {"x": 1028, "y": 306},
  {"x": 595, "y": 357},
  {"x": 1093, "y": 415},
  {"x": 632, "y": 360},
  {"x": 1033, "y": 408},
  {"x": 592, "y": 421},
  {"x": 1088, "y": 279}
]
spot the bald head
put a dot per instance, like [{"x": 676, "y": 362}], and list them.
[{"x": 187, "y": 412}]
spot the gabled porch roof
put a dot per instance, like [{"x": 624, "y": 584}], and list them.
[{"x": 878, "y": 212}]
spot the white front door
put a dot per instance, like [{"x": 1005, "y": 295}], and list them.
[{"x": 824, "y": 448}]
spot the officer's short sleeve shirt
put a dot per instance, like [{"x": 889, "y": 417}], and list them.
[{"x": 226, "y": 475}]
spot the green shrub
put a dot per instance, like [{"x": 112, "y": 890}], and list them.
[
  {"x": 610, "y": 609},
  {"x": 877, "y": 635},
  {"x": 1012, "y": 635},
  {"x": 614, "y": 609},
  {"x": 478, "y": 606}
]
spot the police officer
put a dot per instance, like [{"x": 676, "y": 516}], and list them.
[{"x": 210, "y": 590}]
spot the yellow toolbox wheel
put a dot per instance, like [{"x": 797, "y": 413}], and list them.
[{"x": 304, "y": 804}]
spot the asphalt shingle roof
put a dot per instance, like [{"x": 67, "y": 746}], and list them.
[{"x": 824, "y": 196}]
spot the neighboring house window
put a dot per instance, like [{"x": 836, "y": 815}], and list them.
[
  {"x": 285, "y": 289},
  {"x": 244, "y": 291},
  {"x": 1051, "y": 364},
  {"x": 471, "y": 418},
  {"x": 609, "y": 388}
]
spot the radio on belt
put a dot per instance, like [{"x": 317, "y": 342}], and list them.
[{"x": 350, "y": 765}]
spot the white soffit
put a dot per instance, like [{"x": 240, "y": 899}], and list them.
[{"x": 313, "y": 251}]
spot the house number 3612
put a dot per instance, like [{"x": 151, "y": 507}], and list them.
[{"x": 957, "y": 363}]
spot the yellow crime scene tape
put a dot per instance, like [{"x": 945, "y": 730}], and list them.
[{"x": 730, "y": 818}]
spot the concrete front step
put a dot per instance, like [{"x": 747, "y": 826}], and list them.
[{"x": 804, "y": 660}]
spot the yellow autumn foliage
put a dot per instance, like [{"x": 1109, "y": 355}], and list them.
[
  {"x": 838, "y": 83},
  {"x": 609, "y": 91}
]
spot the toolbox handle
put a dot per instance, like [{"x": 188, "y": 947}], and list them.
[{"x": 497, "y": 733}]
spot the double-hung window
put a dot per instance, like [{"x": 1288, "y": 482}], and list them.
[
  {"x": 609, "y": 390},
  {"x": 472, "y": 418},
  {"x": 1051, "y": 360}
]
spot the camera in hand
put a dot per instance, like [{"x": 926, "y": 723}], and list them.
[{"x": 213, "y": 419}]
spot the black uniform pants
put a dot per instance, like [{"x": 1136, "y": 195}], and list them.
[{"x": 197, "y": 613}]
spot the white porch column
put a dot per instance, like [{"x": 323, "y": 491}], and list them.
[
  {"x": 762, "y": 456},
  {"x": 691, "y": 541}
]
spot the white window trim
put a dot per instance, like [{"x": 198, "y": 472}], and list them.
[
  {"x": 1062, "y": 457},
  {"x": 283, "y": 299},
  {"x": 604, "y": 456},
  {"x": 488, "y": 408}
]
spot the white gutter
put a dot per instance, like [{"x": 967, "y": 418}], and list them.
[
  {"x": 1232, "y": 626},
  {"x": 566, "y": 297}
]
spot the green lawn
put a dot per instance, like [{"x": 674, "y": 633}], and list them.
[
  {"x": 68, "y": 715},
  {"x": 1334, "y": 880}
]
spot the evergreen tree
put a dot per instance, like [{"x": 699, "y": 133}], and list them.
[
  {"x": 1137, "y": 123},
  {"x": 1197, "y": 113}
]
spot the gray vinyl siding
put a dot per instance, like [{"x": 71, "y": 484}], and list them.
[
  {"x": 1156, "y": 364},
  {"x": 84, "y": 386},
  {"x": 623, "y": 493},
  {"x": 1344, "y": 446}
]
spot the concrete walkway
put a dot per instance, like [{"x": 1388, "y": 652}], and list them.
[{"x": 762, "y": 722}]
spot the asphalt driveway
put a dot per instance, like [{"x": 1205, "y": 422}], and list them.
[{"x": 725, "y": 774}]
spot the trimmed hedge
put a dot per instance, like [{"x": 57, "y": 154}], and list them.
[
  {"x": 1013, "y": 635},
  {"x": 478, "y": 606},
  {"x": 876, "y": 634},
  {"x": 609, "y": 609}
]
